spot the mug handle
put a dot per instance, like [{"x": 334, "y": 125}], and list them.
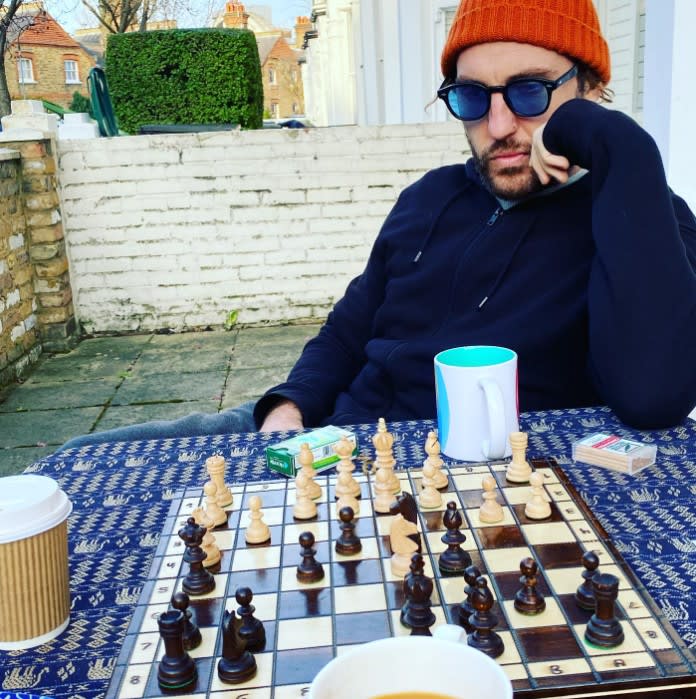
[{"x": 494, "y": 448}]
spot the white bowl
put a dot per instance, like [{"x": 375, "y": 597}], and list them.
[{"x": 411, "y": 664}]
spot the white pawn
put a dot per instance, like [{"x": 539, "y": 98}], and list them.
[
  {"x": 518, "y": 470},
  {"x": 257, "y": 532},
  {"x": 432, "y": 449},
  {"x": 213, "y": 511},
  {"x": 209, "y": 545},
  {"x": 384, "y": 492},
  {"x": 307, "y": 462},
  {"x": 344, "y": 493},
  {"x": 305, "y": 507},
  {"x": 491, "y": 510},
  {"x": 537, "y": 507},
  {"x": 344, "y": 449},
  {"x": 429, "y": 497}
]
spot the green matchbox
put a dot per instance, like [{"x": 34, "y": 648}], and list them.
[{"x": 283, "y": 456}]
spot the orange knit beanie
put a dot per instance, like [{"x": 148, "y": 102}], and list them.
[{"x": 570, "y": 27}]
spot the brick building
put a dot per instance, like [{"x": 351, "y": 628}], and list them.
[
  {"x": 283, "y": 93},
  {"x": 45, "y": 62}
]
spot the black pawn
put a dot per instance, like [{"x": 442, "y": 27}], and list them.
[
  {"x": 471, "y": 575},
  {"x": 192, "y": 634},
  {"x": 176, "y": 671},
  {"x": 198, "y": 580},
  {"x": 348, "y": 543},
  {"x": 484, "y": 621},
  {"x": 584, "y": 595},
  {"x": 237, "y": 664},
  {"x": 416, "y": 613},
  {"x": 251, "y": 630},
  {"x": 528, "y": 599},
  {"x": 309, "y": 570},
  {"x": 604, "y": 629},
  {"x": 454, "y": 560}
]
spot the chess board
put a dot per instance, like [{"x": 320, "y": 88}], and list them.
[{"x": 359, "y": 599}]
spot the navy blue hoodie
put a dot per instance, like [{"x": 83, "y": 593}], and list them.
[{"x": 593, "y": 285}]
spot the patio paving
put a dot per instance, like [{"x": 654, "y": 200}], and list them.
[{"x": 108, "y": 382}]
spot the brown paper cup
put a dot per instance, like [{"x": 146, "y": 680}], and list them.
[{"x": 34, "y": 579}]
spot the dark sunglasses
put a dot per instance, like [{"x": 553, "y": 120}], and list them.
[{"x": 526, "y": 97}]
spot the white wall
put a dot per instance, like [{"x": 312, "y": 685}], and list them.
[
  {"x": 378, "y": 61},
  {"x": 670, "y": 100},
  {"x": 179, "y": 230}
]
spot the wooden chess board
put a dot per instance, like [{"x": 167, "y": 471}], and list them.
[{"x": 359, "y": 599}]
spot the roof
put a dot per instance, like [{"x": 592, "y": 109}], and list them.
[
  {"x": 265, "y": 45},
  {"x": 44, "y": 31}
]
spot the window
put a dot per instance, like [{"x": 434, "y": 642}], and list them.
[
  {"x": 275, "y": 110},
  {"x": 272, "y": 76},
  {"x": 26, "y": 70},
  {"x": 71, "y": 74},
  {"x": 295, "y": 108}
]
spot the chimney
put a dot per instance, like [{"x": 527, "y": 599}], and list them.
[
  {"x": 302, "y": 26},
  {"x": 235, "y": 17}
]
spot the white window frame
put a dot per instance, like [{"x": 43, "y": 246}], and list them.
[
  {"x": 272, "y": 77},
  {"x": 23, "y": 76},
  {"x": 75, "y": 69},
  {"x": 275, "y": 110}
]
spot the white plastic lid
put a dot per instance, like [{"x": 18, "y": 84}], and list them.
[{"x": 30, "y": 504}]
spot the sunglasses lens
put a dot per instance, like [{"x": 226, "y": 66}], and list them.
[
  {"x": 528, "y": 98},
  {"x": 468, "y": 102}
]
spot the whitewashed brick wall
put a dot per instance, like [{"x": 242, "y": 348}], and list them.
[{"x": 178, "y": 231}]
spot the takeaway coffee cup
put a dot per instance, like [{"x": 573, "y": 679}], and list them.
[
  {"x": 34, "y": 579},
  {"x": 476, "y": 393},
  {"x": 411, "y": 665}
]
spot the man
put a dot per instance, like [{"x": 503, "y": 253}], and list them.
[{"x": 559, "y": 239}]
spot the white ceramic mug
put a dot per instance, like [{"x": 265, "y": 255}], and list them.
[
  {"x": 410, "y": 664},
  {"x": 477, "y": 408}
]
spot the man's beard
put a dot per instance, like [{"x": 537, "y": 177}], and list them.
[{"x": 508, "y": 182}]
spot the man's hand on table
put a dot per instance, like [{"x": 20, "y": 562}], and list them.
[{"x": 285, "y": 416}]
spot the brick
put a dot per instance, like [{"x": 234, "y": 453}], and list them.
[
  {"x": 40, "y": 202},
  {"x": 52, "y": 269},
  {"x": 22, "y": 275},
  {"x": 46, "y": 251},
  {"x": 37, "y": 184},
  {"x": 45, "y": 166},
  {"x": 55, "y": 300},
  {"x": 59, "y": 314},
  {"x": 46, "y": 234},
  {"x": 41, "y": 219}
]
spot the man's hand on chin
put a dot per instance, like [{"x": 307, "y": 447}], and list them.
[{"x": 285, "y": 416}]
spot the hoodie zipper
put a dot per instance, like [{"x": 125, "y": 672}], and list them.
[{"x": 495, "y": 216}]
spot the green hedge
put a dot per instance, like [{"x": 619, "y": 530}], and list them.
[{"x": 185, "y": 76}]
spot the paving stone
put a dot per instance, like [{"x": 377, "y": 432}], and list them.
[
  {"x": 249, "y": 384},
  {"x": 126, "y": 346},
  {"x": 199, "y": 341},
  {"x": 14, "y": 461},
  {"x": 67, "y": 394},
  {"x": 278, "y": 336},
  {"x": 123, "y": 415},
  {"x": 162, "y": 388},
  {"x": 157, "y": 361},
  {"x": 45, "y": 427},
  {"x": 265, "y": 356},
  {"x": 70, "y": 367}
]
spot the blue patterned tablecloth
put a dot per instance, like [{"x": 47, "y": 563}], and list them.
[{"x": 121, "y": 493}]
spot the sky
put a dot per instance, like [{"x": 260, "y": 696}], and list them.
[{"x": 72, "y": 15}]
